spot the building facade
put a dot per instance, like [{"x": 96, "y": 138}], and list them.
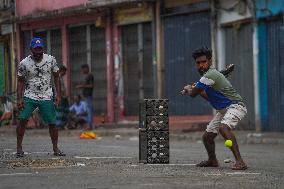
[
  {"x": 7, "y": 53},
  {"x": 114, "y": 38},
  {"x": 142, "y": 49},
  {"x": 270, "y": 39}
]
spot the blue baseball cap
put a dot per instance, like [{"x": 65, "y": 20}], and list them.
[{"x": 36, "y": 42}]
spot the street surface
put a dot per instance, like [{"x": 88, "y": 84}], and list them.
[{"x": 112, "y": 162}]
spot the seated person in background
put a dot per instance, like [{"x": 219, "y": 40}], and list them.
[
  {"x": 78, "y": 114},
  {"x": 8, "y": 110}
]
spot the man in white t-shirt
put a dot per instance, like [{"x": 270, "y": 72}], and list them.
[{"x": 35, "y": 91}]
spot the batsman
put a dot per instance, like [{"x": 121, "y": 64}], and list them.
[{"x": 230, "y": 108}]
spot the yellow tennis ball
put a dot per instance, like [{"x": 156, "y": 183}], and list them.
[{"x": 228, "y": 143}]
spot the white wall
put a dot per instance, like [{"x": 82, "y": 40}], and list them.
[
  {"x": 232, "y": 10},
  {"x": 228, "y": 11}
]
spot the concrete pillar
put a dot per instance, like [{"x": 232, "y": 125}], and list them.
[
  {"x": 48, "y": 45},
  {"x": 119, "y": 101},
  {"x": 110, "y": 78},
  {"x": 89, "y": 56},
  {"x": 160, "y": 51},
  {"x": 18, "y": 44},
  {"x": 256, "y": 79},
  {"x": 65, "y": 57},
  {"x": 140, "y": 60}
]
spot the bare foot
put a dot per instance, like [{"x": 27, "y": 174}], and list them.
[{"x": 239, "y": 166}]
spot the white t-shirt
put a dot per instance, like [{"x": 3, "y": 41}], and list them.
[
  {"x": 79, "y": 108},
  {"x": 38, "y": 76}
]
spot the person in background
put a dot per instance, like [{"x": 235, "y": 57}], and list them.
[
  {"x": 87, "y": 92},
  {"x": 8, "y": 110},
  {"x": 63, "y": 109},
  {"x": 78, "y": 114}
]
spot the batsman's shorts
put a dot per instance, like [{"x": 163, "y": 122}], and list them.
[
  {"x": 229, "y": 116},
  {"x": 46, "y": 107}
]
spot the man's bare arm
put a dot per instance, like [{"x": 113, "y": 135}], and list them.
[
  {"x": 195, "y": 91},
  {"x": 204, "y": 95},
  {"x": 20, "y": 92},
  {"x": 57, "y": 83},
  {"x": 21, "y": 85},
  {"x": 57, "y": 87}
]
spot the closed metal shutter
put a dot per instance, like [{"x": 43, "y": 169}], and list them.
[
  {"x": 26, "y": 39},
  {"x": 56, "y": 45},
  {"x": 275, "y": 60},
  {"x": 98, "y": 57},
  {"x": 132, "y": 68},
  {"x": 2, "y": 69},
  {"x": 78, "y": 55},
  {"x": 183, "y": 34},
  {"x": 148, "y": 81},
  {"x": 239, "y": 51}
]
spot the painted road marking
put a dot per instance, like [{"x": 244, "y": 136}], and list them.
[
  {"x": 175, "y": 164},
  {"x": 13, "y": 174},
  {"x": 111, "y": 157},
  {"x": 34, "y": 153},
  {"x": 41, "y": 152},
  {"x": 230, "y": 174},
  {"x": 212, "y": 174},
  {"x": 8, "y": 149},
  {"x": 242, "y": 173}
]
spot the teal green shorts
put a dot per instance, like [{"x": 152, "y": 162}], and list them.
[{"x": 46, "y": 108}]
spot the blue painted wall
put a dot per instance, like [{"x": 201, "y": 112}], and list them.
[
  {"x": 266, "y": 8},
  {"x": 262, "y": 74}
]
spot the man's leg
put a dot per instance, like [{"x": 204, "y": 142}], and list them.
[
  {"x": 53, "y": 132},
  {"x": 21, "y": 128},
  {"x": 209, "y": 143},
  {"x": 89, "y": 102},
  {"x": 48, "y": 110},
  {"x": 234, "y": 114},
  {"x": 226, "y": 132},
  {"x": 29, "y": 106},
  {"x": 1, "y": 113},
  {"x": 81, "y": 123}
]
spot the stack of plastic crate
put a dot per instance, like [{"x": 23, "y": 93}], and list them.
[{"x": 154, "y": 131}]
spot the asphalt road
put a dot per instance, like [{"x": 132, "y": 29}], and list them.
[{"x": 112, "y": 162}]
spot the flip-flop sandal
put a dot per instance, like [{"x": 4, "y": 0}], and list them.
[
  {"x": 59, "y": 153},
  {"x": 206, "y": 164},
  {"x": 20, "y": 154},
  {"x": 239, "y": 167}
]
